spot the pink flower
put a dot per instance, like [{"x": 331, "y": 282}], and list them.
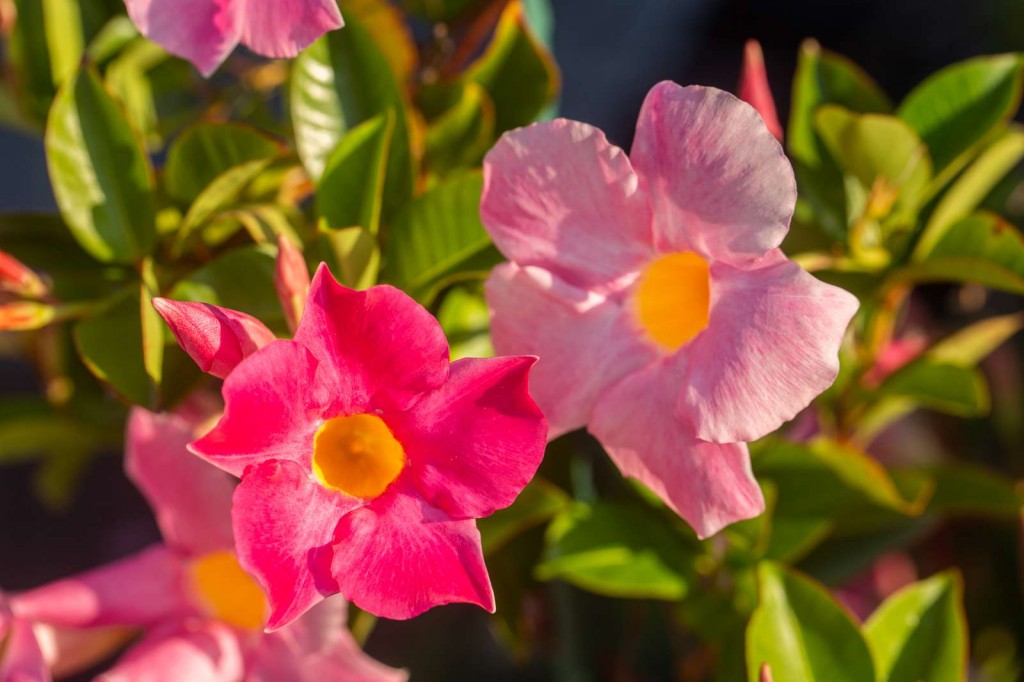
[
  {"x": 203, "y": 616},
  {"x": 21, "y": 657},
  {"x": 754, "y": 89},
  {"x": 206, "y": 31},
  {"x": 666, "y": 318},
  {"x": 366, "y": 456}
]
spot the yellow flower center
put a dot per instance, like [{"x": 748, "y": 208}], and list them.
[
  {"x": 357, "y": 455},
  {"x": 226, "y": 592},
  {"x": 673, "y": 297}
]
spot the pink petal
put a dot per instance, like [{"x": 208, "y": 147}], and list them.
[
  {"x": 559, "y": 196},
  {"x": 272, "y": 408},
  {"x": 216, "y": 338},
  {"x": 291, "y": 280},
  {"x": 284, "y": 524},
  {"x": 383, "y": 347},
  {"x": 191, "y": 499},
  {"x": 478, "y": 440},
  {"x": 139, "y": 590},
  {"x": 283, "y": 28},
  {"x": 754, "y": 89},
  {"x": 21, "y": 659},
  {"x": 720, "y": 183},
  {"x": 707, "y": 484},
  {"x": 201, "y": 31},
  {"x": 770, "y": 347},
  {"x": 398, "y": 557},
  {"x": 586, "y": 342},
  {"x": 206, "y": 652}
]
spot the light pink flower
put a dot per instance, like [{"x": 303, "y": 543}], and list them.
[
  {"x": 652, "y": 287},
  {"x": 202, "y": 615},
  {"x": 206, "y": 31},
  {"x": 366, "y": 456}
]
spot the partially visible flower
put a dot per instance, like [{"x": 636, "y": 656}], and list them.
[
  {"x": 894, "y": 354},
  {"x": 754, "y": 89},
  {"x": 652, "y": 288},
  {"x": 19, "y": 279},
  {"x": 206, "y": 31},
  {"x": 291, "y": 280},
  {"x": 21, "y": 658},
  {"x": 202, "y": 615},
  {"x": 366, "y": 456}
]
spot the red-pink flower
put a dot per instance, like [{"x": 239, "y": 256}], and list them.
[
  {"x": 366, "y": 456},
  {"x": 206, "y": 31},
  {"x": 202, "y": 615},
  {"x": 653, "y": 290},
  {"x": 21, "y": 657}
]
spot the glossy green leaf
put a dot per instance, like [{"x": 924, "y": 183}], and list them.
[
  {"x": 111, "y": 347},
  {"x": 340, "y": 81},
  {"x": 800, "y": 630},
  {"x": 353, "y": 255},
  {"x": 959, "y": 106},
  {"x": 920, "y": 633},
  {"x": 206, "y": 151},
  {"x": 968, "y": 490},
  {"x": 539, "y": 502},
  {"x": 940, "y": 386},
  {"x": 618, "y": 551},
  {"x": 351, "y": 190},
  {"x": 461, "y": 134},
  {"x": 225, "y": 191},
  {"x": 152, "y": 326},
  {"x": 101, "y": 176},
  {"x": 438, "y": 234},
  {"x": 516, "y": 71}
]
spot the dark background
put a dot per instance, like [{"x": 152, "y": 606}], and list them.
[{"x": 611, "y": 52}]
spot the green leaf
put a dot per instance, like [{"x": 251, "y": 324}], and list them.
[
  {"x": 152, "y": 326},
  {"x": 436, "y": 235},
  {"x": 800, "y": 630},
  {"x": 618, "y": 551},
  {"x": 943, "y": 387},
  {"x": 537, "y": 503},
  {"x": 353, "y": 254},
  {"x": 516, "y": 70},
  {"x": 101, "y": 176},
  {"x": 111, "y": 346},
  {"x": 241, "y": 279},
  {"x": 63, "y": 26},
  {"x": 971, "y": 188},
  {"x": 970, "y": 345},
  {"x": 206, "y": 151},
  {"x": 462, "y": 133},
  {"x": 128, "y": 76},
  {"x": 984, "y": 249},
  {"x": 340, "y": 81},
  {"x": 968, "y": 490},
  {"x": 960, "y": 105},
  {"x": 920, "y": 633},
  {"x": 466, "y": 324}
]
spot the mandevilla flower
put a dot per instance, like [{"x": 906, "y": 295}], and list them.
[
  {"x": 652, "y": 287},
  {"x": 366, "y": 456},
  {"x": 21, "y": 657},
  {"x": 203, "y": 616},
  {"x": 206, "y": 31}
]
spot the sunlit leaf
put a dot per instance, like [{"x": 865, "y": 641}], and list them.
[{"x": 208, "y": 150}]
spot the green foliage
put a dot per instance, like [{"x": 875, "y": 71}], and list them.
[{"x": 205, "y": 151}]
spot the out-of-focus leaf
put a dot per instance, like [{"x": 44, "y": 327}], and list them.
[
  {"x": 351, "y": 190},
  {"x": 241, "y": 279},
  {"x": 802, "y": 633},
  {"x": 436, "y": 235},
  {"x": 28, "y": 53},
  {"x": 152, "y": 326},
  {"x": 353, "y": 254},
  {"x": 539, "y": 502},
  {"x": 463, "y": 132},
  {"x": 225, "y": 190},
  {"x": 966, "y": 490},
  {"x": 959, "y": 106},
  {"x": 516, "y": 70},
  {"x": 970, "y": 345},
  {"x": 64, "y": 37},
  {"x": 128, "y": 76},
  {"x": 386, "y": 25},
  {"x": 340, "y": 81},
  {"x": 29, "y": 428},
  {"x": 441, "y": 10},
  {"x": 944, "y": 387},
  {"x": 466, "y": 324},
  {"x": 920, "y": 633},
  {"x": 960, "y": 200},
  {"x": 113, "y": 37},
  {"x": 618, "y": 551},
  {"x": 101, "y": 177},
  {"x": 206, "y": 151},
  {"x": 110, "y": 345},
  {"x": 984, "y": 249}
]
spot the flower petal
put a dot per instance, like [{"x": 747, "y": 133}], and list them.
[
  {"x": 559, "y": 196},
  {"x": 284, "y": 28},
  {"x": 201, "y": 31},
  {"x": 398, "y": 557},
  {"x": 216, "y": 338},
  {"x": 284, "y": 524},
  {"x": 272, "y": 406},
  {"x": 138, "y": 590},
  {"x": 707, "y": 484},
  {"x": 770, "y": 347},
  {"x": 477, "y": 441},
  {"x": 207, "y": 652},
  {"x": 191, "y": 499},
  {"x": 719, "y": 182},
  {"x": 382, "y": 346},
  {"x": 22, "y": 658},
  {"x": 585, "y": 342}
]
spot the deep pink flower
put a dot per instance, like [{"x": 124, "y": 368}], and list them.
[
  {"x": 21, "y": 657},
  {"x": 203, "y": 616},
  {"x": 206, "y": 31},
  {"x": 652, "y": 287},
  {"x": 366, "y": 456}
]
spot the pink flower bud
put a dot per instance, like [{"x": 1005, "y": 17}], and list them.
[
  {"x": 17, "y": 278},
  {"x": 754, "y": 88},
  {"x": 291, "y": 279},
  {"x": 21, "y": 316}
]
